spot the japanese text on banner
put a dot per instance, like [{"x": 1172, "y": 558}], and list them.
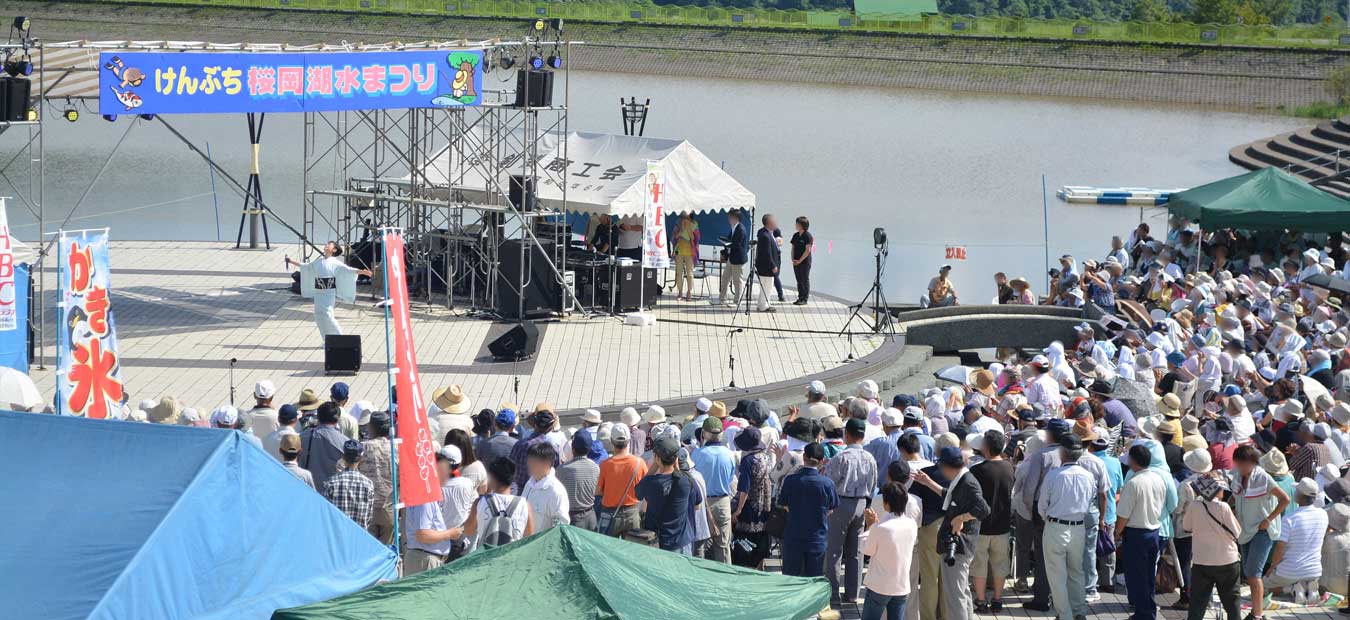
[
  {"x": 417, "y": 480},
  {"x": 9, "y": 315},
  {"x": 89, "y": 371},
  {"x": 221, "y": 82},
  {"x": 655, "y": 253}
]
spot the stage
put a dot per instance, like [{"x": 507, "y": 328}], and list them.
[{"x": 183, "y": 309}]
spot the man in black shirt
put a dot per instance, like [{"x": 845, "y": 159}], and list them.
[
  {"x": 995, "y": 475},
  {"x": 669, "y": 494},
  {"x": 767, "y": 259},
  {"x": 963, "y": 507},
  {"x": 802, "y": 247}
]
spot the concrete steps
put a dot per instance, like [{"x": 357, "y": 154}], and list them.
[{"x": 1320, "y": 155}]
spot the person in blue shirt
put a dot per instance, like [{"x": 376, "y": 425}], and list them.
[
  {"x": 737, "y": 255},
  {"x": 809, "y": 497},
  {"x": 913, "y": 425},
  {"x": 1106, "y": 563},
  {"x": 884, "y": 449},
  {"x": 717, "y": 464}
]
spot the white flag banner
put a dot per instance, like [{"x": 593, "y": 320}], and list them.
[
  {"x": 655, "y": 253},
  {"x": 9, "y": 307}
]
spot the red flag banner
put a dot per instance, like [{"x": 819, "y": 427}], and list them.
[{"x": 417, "y": 480}]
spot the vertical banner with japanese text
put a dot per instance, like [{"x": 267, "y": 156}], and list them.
[
  {"x": 417, "y": 481},
  {"x": 9, "y": 307},
  {"x": 655, "y": 253},
  {"x": 89, "y": 373}
]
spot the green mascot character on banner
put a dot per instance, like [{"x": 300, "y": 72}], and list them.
[{"x": 462, "y": 92}]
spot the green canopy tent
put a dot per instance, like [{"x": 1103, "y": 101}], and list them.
[
  {"x": 567, "y": 573},
  {"x": 1266, "y": 199}
]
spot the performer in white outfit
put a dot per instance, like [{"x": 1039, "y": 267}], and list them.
[{"x": 326, "y": 280}]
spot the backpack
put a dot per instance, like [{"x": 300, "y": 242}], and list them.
[{"x": 497, "y": 532}]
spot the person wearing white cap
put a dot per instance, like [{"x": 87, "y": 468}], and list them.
[
  {"x": 817, "y": 402},
  {"x": 883, "y": 449},
  {"x": 227, "y": 417},
  {"x": 458, "y": 494},
  {"x": 1043, "y": 389},
  {"x": 1296, "y": 560},
  {"x": 691, "y": 427},
  {"x": 261, "y": 420}
]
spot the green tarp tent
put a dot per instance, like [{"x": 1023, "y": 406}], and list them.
[
  {"x": 567, "y": 573},
  {"x": 1266, "y": 199}
]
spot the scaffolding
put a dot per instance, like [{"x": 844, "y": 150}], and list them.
[{"x": 460, "y": 181}]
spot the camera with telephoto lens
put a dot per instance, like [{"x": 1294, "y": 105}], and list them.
[{"x": 952, "y": 542}]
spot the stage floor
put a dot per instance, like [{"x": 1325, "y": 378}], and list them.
[{"x": 183, "y": 309}]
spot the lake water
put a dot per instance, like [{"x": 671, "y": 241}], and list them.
[{"x": 934, "y": 168}]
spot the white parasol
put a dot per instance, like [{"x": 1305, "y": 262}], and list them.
[{"x": 17, "y": 391}]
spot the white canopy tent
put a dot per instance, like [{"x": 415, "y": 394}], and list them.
[{"x": 604, "y": 175}]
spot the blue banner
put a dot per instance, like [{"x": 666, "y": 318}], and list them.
[
  {"x": 89, "y": 370},
  {"x": 220, "y": 82},
  {"x": 14, "y": 342}
]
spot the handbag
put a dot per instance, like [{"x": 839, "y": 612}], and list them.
[
  {"x": 1106, "y": 542},
  {"x": 775, "y": 524},
  {"x": 1169, "y": 578}
]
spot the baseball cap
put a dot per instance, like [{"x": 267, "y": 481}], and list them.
[
  {"x": 832, "y": 423},
  {"x": 816, "y": 387},
  {"x": 361, "y": 410},
  {"x": 287, "y": 414},
  {"x": 1058, "y": 427},
  {"x": 1071, "y": 442},
  {"x": 224, "y": 415},
  {"x": 1036, "y": 412},
  {"x": 1040, "y": 361},
  {"x": 913, "y": 414},
  {"x": 666, "y": 447},
  {"x": 892, "y": 417},
  {"x": 264, "y": 389},
  {"x": 856, "y": 426},
  {"x": 975, "y": 441},
  {"x": 339, "y": 391},
  {"x": 619, "y": 433},
  {"x": 506, "y": 418},
  {"x": 702, "y": 404},
  {"x": 712, "y": 426},
  {"x": 1307, "y": 487},
  {"x": 951, "y": 457},
  {"x": 450, "y": 453},
  {"x": 352, "y": 450},
  {"x": 290, "y": 443}
]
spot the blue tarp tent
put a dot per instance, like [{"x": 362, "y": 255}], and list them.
[{"x": 108, "y": 519}]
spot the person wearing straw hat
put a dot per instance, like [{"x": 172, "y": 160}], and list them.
[
  {"x": 1296, "y": 560},
  {"x": 327, "y": 279},
  {"x": 308, "y": 405},
  {"x": 451, "y": 409},
  {"x": 166, "y": 411},
  {"x": 1022, "y": 295}
]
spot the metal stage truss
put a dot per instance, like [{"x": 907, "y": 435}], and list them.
[
  {"x": 25, "y": 173},
  {"x": 446, "y": 176}
]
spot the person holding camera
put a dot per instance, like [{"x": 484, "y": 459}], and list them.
[
  {"x": 963, "y": 507},
  {"x": 1065, "y": 505}
]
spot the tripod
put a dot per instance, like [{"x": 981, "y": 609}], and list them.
[{"x": 881, "y": 311}]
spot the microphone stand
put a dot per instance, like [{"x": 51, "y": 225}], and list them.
[
  {"x": 233, "y": 361},
  {"x": 731, "y": 355}
]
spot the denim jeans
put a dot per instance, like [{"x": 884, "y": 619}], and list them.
[{"x": 876, "y": 605}]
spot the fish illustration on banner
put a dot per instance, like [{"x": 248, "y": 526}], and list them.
[
  {"x": 417, "y": 481},
  {"x": 655, "y": 250},
  {"x": 89, "y": 372},
  {"x": 233, "y": 82},
  {"x": 9, "y": 308}
]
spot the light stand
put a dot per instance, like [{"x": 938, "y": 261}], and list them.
[
  {"x": 883, "y": 320},
  {"x": 233, "y": 361}
]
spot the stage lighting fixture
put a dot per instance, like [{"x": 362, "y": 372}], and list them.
[
  {"x": 22, "y": 23},
  {"x": 31, "y": 114},
  {"x": 72, "y": 114},
  {"x": 879, "y": 237},
  {"x": 110, "y": 117},
  {"x": 555, "y": 23},
  {"x": 16, "y": 68},
  {"x": 507, "y": 62},
  {"x": 540, "y": 25},
  {"x": 536, "y": 63},
  {"x": 555, "y": 61},
  {"x": 147, "y": 117}
]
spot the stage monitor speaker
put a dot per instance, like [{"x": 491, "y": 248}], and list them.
[
  {"x": 543, "y": 295},
  {"x": 539, "y": 85},
  {"x": 521, "y": 342},
  {"x": 341, "y": 354},
  {"x": 14, "y": 99},
  {"x": 521, "y": 192}
]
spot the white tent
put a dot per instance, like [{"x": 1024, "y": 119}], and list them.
[{"x": 603, "y": 174}]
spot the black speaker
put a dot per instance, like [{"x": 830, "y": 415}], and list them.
[
  {"x": 521, "y": 192},
  {"x": 341, "y": 353},
  {"x": 521, "y": 342},
  {"x": 539, "y": 85},
  {"x": 14, "y": 98},
  {"x": 627, "y": 294},
  {"x": 542, "y": 293}
]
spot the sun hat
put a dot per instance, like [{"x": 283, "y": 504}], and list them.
[
  {"x": 290, "y": 444},
  {"x": 749, "y": 440},
  {"x": 1341, "y": 413},
  {"x": 1274, "y": 463},
  {"x": 264, "y": 390},
  {"x": 655, "y": 414},
  {"x": 1194, "y": 442},
  {"x": 452, "y": 400},
  {"x": 630, "y": 417},
  {"x": 361, "y": 410},
  {"x": 1198, "y": 461},
  {"x": 1338, "y": 516},
  {"x": 1149, "y": 425},
  {"x": 224, "y": 415},
  {"x": 868, "y": 389},
  {"x": 717, "y": 410},
  {"x": 591, "y": 416},
  {"x": 983, "y": 381},
  {"x": 165, "y": 411},
  {"x": 1208, "y": 487},
  {"x": 309, "y": 400}
]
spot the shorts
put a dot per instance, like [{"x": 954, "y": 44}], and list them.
[
  {"x": 1254, "y": 553},
  {"x": 991, "y": 553}
]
